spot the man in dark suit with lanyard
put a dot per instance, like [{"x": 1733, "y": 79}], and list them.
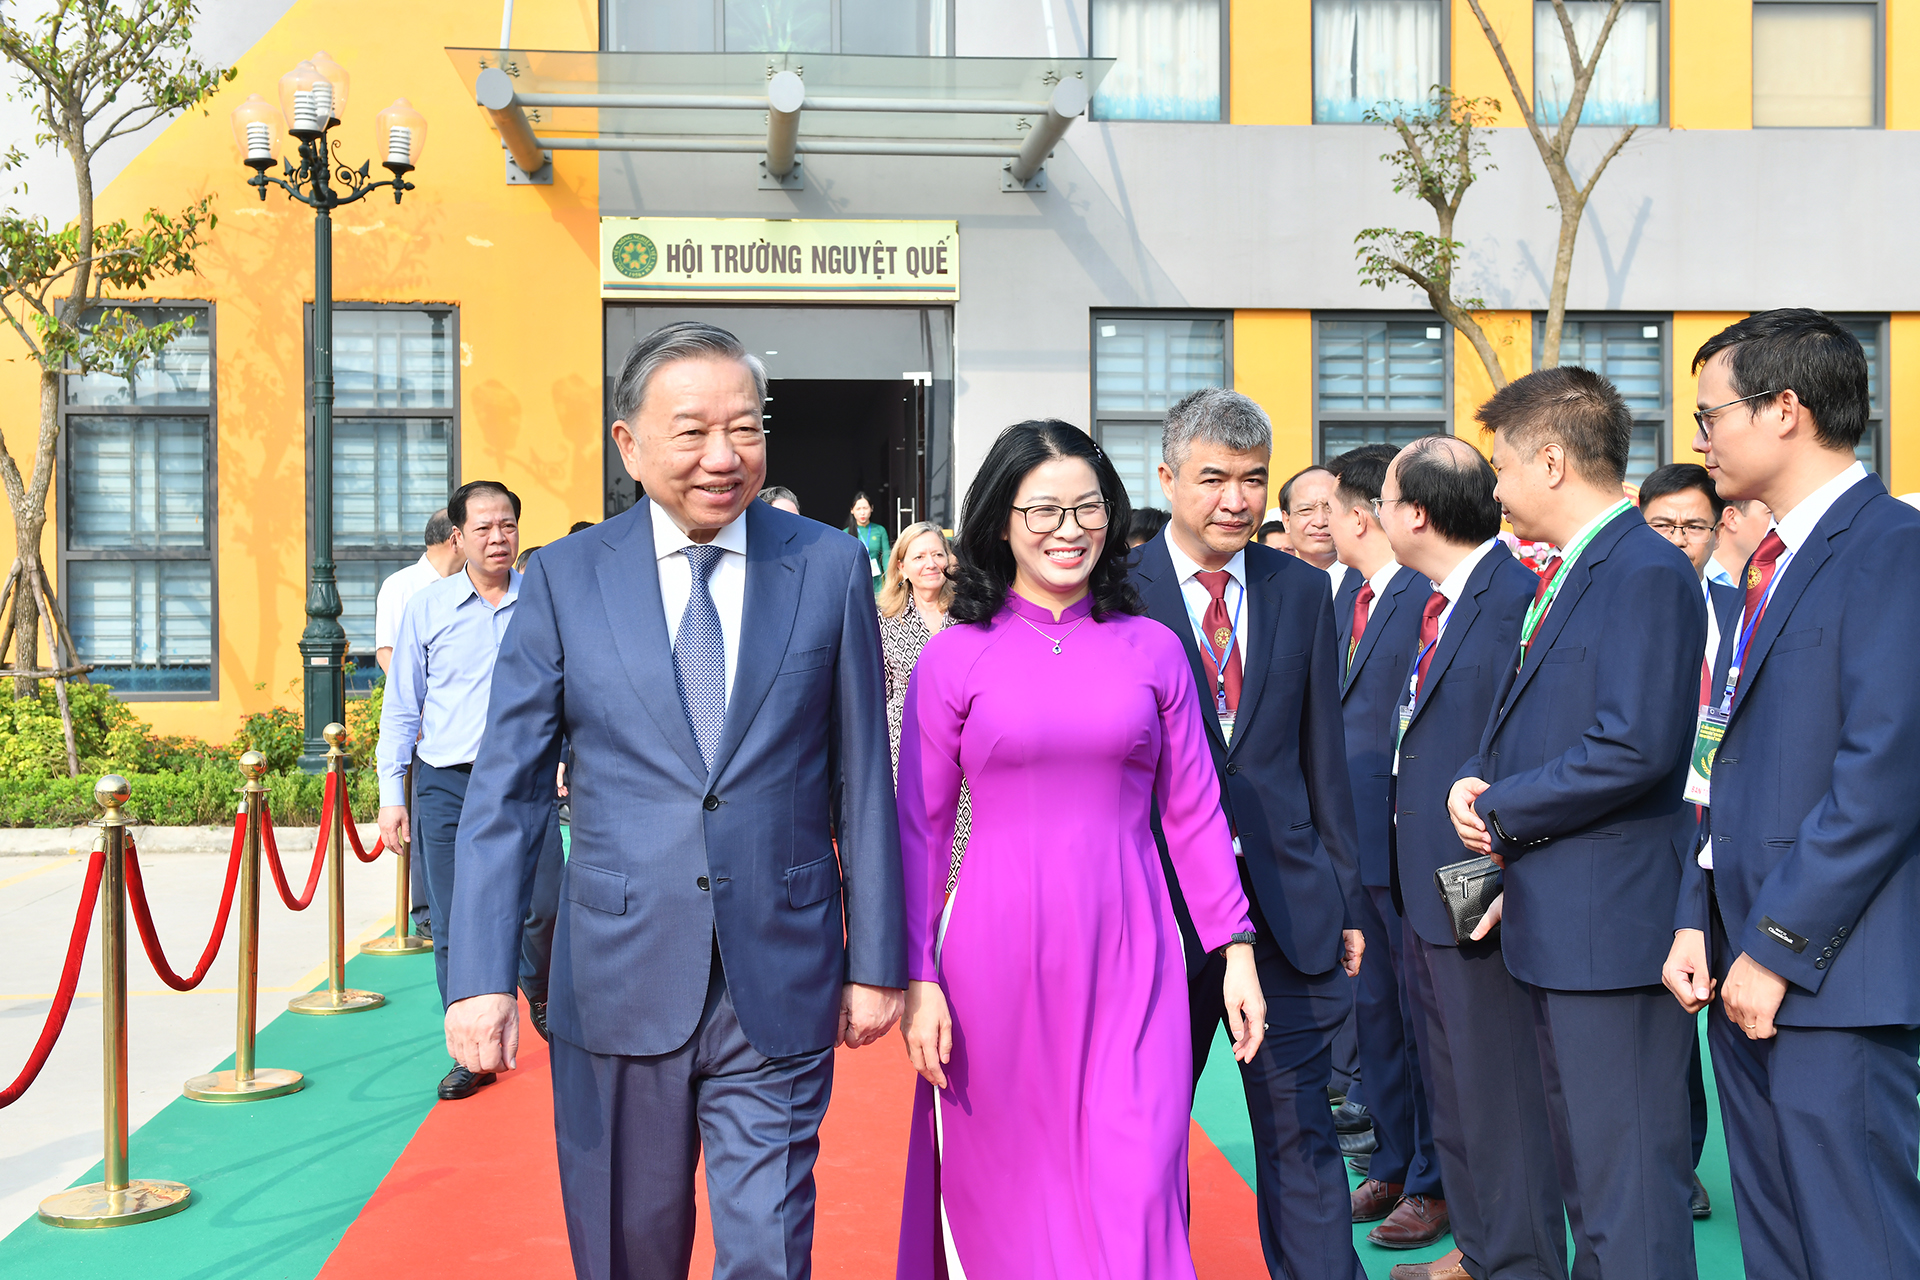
[
  {"x": 1258, "y": 628},
  {"x": 1680, "y": 504},
  {"x": 1576, "y": 791},
  {"x": 1803, "y": 904},
  {"x": 1473, "y": 1021},
  {"x": 1377, "y": 633}
]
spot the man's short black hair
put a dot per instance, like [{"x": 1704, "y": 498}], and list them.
[
  {"x": 1146, "y": 523},
  {"x": 1798, "y": 349},
  {"x": 1286, "y": 490},
  {"x": 1678, "y": 477},
  {"x": 578, "y": 525},
  {"x": 439, "y": 528},
  {"x": 457, "y": 504},
  {"x": 1268, "y": 529},
  {"x": 1361, "y": 472},
  {"x": 1454, "y": 486},
  {"x": 1572, "y": 407}
]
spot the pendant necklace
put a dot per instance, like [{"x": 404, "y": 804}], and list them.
[{"x": 1057, "y": 640}]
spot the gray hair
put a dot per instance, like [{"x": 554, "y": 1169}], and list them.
[
  {"x": 1222, "y": 417},
  {"x": 439, "y": 528},
  {"x": 682, "y": 340}
]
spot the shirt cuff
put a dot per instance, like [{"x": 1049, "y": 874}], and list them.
[{"x": 393, "y": 790}]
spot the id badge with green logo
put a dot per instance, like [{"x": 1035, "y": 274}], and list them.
[{"x": 1708, "y": 731}]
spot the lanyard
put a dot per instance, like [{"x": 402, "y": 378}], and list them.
[
  {"x": 1537, "y": 611},
  {"x": 1747, "y": 630},
  {"x": 1219, "y": 658}
]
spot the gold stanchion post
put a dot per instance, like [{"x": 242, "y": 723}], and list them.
[
  {"x": 121, "y": 1200},
  {"x": 246, "y": 1082},
  {"x": 400, "y": 942},
  {"x": 338, "y": 997}
]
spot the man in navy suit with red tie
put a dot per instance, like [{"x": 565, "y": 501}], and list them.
[
  {"x": 1802, "y": 905},
  {"x": 1472, "y": 1020},
  {"x": 1577, "y": 791},
  {"x": 1377, "y": 630}
]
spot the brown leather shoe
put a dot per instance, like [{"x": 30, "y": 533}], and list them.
[
  {"x": 1374, "y": 1199},
  {"x": 1445, "y": 1267},
  {"x": 1415, "y": 1223}
]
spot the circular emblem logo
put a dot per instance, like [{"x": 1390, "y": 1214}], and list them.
[
  {"x": 1753, "y": 576},
  {"x": 1221, "y": 636},
  {"x": 634, "y": 255}
]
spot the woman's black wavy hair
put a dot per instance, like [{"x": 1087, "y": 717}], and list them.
[{"x": 984, "y": 573}]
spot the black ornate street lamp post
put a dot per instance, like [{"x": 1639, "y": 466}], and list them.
[{"x": 313, "y": 94}]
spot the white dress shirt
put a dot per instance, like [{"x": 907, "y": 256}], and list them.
[
  {"x": 391, "y": 603},
  {"x": 1455, "y": 583},
  {"x": 1379, "y": 582},
  {"x": 1198, "y": 597},
  {"x": 1713, "y": 621},
  {"x": 1337, "y": 573},
  {"x": 727, "y": 582}
]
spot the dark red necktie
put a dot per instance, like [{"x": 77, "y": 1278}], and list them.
[
  {"x": 1360, "y": 603},
  {"x": 1547, "y": 570},
  {"x": 1218, "y": 625},
  {"x": 1429, "y": 638},
  {"x": 1760, "y": 574}
]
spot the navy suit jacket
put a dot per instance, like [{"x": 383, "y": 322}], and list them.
[
  {"x": 1726, "y": 603},
  {"x": 1475, "y": 653},
  {"x": 1586, "y": 752},
  {"x": 1370, "y": 695},
  {"x": 1816, "y": 819},
  {"x": 1283, "y": 781},
  {"x": 668, "y": 856}
]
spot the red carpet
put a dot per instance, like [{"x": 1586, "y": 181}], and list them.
[{"x": 476, "y": 1193}]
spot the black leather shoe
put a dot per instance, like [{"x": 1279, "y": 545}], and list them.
[
  {"x": 423, "y": 930},
  {"x": 1364, "y": 1143},
  {"x": 1335, "y": 1095},
  {"x": 1698, "y": 1202},
  {"x": 462, "y": 1083},
  {"x": 1352, "y": 1117},
  {"x": 537, "y": 1010},
  {"x": 1361, "y": 1165}
]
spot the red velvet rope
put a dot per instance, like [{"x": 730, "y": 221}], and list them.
[
  {"x": 353, "y": 833},
  {"x": 279, "y": 872},
  {"x": 143, "y": 914},
  {"x": 69, "y": 981}
]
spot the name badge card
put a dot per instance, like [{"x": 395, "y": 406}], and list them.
[{"x": 1708, "y": 731}]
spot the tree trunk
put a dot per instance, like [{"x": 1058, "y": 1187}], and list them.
[{"x": 29, "y": 525}]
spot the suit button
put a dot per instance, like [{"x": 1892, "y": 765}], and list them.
[
  {"x": 1835, "y": 942},
  {"x": 702, "y": 882},
  {"x": 1820, "y": 963},
  {"x": 710, "y": 803},
  {"x": 1842, "y": 931},
  {"x": 1828, "y": 953},
  {"x": 1233, "y": 768}
]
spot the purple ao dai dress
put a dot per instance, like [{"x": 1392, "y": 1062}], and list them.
[{"x": 1060, "y": 1148}]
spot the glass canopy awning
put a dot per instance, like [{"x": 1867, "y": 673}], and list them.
[{"x": 782, "y": 105}]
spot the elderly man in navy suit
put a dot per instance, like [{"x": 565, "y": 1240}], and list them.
[
  {"x": 1576, "y": 791},
  {"x": 1472, "y": 1020},
  {"x": 714, "y": 665},
  {"x": 1802, "y": 904},
  {"x": 1377, "y": 630},
  {"x": 1258, "y": 629}
]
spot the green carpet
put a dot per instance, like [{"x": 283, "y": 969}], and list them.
[
  {"x": 275, "y": 1183},
  {"x": 1221, "y": 1109}
]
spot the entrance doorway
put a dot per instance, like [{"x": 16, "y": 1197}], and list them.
[
  {"x": 830, "y": 438},
  {"x": 860, "y": 400}
]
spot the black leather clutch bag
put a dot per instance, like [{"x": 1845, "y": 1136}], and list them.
[{"x": 1467, "y": 889}]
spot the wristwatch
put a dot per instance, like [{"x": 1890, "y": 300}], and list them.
[{"x": 1246, "y": 935}]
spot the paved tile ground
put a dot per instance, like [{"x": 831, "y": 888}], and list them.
[{"x": 53, "y": 1134}]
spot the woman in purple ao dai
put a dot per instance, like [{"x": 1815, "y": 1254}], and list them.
[{"x": 1047, "y": 1002}]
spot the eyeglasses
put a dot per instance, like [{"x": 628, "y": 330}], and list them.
[
  {"x": 1049, "y": 518},
  {"x": 1382, "y": 502},
  {"x": 1703, "y": 418},
  {"x": 1690, "y": 530}
]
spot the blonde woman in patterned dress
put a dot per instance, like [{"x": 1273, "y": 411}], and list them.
[{"x": 913, "y": 601}]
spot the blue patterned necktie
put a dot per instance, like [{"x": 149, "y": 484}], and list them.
[{"x": 700, "y": 656}]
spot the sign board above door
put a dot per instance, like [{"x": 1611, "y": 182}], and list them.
[{"x": 775, "y": 260}]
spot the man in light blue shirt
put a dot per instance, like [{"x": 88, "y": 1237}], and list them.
[{"x": 436, "y": 702}]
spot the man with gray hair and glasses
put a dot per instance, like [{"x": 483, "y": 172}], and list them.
[
  {"x": 1258, "y": 628},
  {"x": 714, "y": 664}
]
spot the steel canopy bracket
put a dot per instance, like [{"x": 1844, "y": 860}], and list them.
[
  {"x": 1009, "y": 183},
  {"x": 541, "y": 177},
  {"x": 794, "y": 179}
]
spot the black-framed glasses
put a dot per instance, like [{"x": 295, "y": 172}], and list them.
[
  {"x": 1048, "y": 518},
  {"x": 1703, "y": 418},
  {"x": 1691, "y": 530}
]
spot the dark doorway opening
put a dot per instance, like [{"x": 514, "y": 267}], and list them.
[{"x": 830, "y": 438}]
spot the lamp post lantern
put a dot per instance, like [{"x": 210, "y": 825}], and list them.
[{"x": 312, "y": 97}]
